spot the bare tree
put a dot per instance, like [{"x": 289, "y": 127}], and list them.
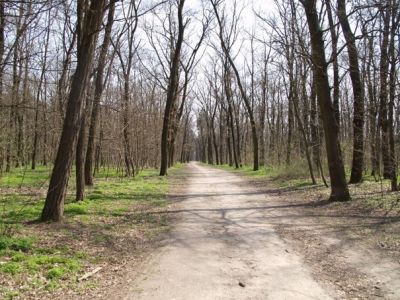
[
  {"x": 99, "y": 86},
  {"x": 225, "y": 36},
  {"x": 339, "y": 189},
  {"x": 54, "y": 205},
  {"x": 172, "y": 88}
]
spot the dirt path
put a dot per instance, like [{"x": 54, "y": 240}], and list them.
[{"x": 224, "y": 246}]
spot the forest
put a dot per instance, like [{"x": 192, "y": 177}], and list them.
[{"x": 113, "y": 100}]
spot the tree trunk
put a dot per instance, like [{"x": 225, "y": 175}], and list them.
[
  {"x": 339, "y": 189},
  {"x": 303, "y": 133},
  {"x": 373, "y": 110},
  {"x": 228, "y": 94},
  {"x": 383, "y": 95},
  {"x": 129, "y": 168},
  {"x": 99, "y": 85},
  {"x": 214, "y": 138},
  {"x": 358, "y": 93},
  {"x": 334, "y": 36},
  {"x": 171, "y": 91},
  {"x": 54, "y": 205},
  {"x": 80, "y": 161},
  {"x": 392, "y": 94}
]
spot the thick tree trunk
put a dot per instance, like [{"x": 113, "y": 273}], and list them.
[
  {"x": 358, "y": 92},
  {"x": 54, "y": 205},
  {"x": 99, "y": 85},
  {"x": 171, "y": 91},
  {"x": 339, "y": 189},
  {"x": 383, "y": 95}
]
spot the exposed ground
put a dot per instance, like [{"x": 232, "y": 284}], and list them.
[
  {"x": 235, "y": 239},
  {"x": 222, "y": 235}
]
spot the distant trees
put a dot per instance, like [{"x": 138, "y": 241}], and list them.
[
  {"x": 309, "y": 86},
  {"x": 178, "y": 67},
  {"x": 227, "y": 40},
  {"x": 351, "y": 81}
]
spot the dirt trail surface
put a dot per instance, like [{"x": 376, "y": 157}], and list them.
[
  {"x": 233, "y": 240},
  {"x": 224, "y": 247}
]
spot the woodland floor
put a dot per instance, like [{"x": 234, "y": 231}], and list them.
[
  {"x": 113, "y": 227},
  {"x": 222, "y": 234}
]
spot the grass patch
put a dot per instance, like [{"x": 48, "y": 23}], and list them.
[
  {"x": 371, "y": 194},
  {"x": 15, "y": 243},
  {"x": 26, "y": 177},
  {"x": 295, "y": 175},
  {"x": 115, "y": 214}
]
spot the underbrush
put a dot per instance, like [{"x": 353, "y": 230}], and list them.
[{"x": 117, "y": 216}]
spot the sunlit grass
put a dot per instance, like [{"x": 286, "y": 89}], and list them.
[
  {"x": 372, "y": 193},
  {"x": 115, "y": 204}
]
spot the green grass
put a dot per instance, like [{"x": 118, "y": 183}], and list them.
[
  {"x": 25, "y": 204},
  {"x": 16, "y": 244},
  {"x": 21, "y": 258},
  {"x": 48, "y": 259},
  {"x": 371, "y": 193},
  {"x": 295, "y": 175},
  {"x": 25, "y": 177}
]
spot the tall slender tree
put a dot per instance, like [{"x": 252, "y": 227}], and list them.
[
  {"x": 226, "y": 46},
  {"x": 339, "y": 189},
  {"x": 99, "y": 86},
  {"x": 172, "y": 88},
  {"x": 358, "y": 92},
  {"x": 54, "y": 205}
]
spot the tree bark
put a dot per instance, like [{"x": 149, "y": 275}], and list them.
[
  {"x": 80, "y": 161},
  {"x": 334, "y": 37},
  {"x": 99, "y": 85},
  {"x": 339, "y": 189},
  {"x": 171, "y": 91},
  {"x": 383, "y": 95},
  {"x": 358, "y": 93},
  {"x": 392, "y": 94},
  {"x": 54, "y": 205}
]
